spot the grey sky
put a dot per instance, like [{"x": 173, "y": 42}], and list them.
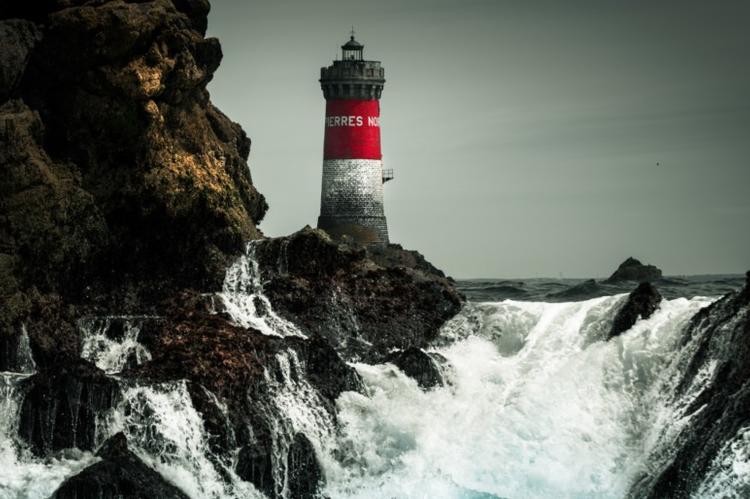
[{"x": 524, "y": 136}]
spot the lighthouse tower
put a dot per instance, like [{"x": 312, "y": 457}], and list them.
[{"x": 351, "y": 201}]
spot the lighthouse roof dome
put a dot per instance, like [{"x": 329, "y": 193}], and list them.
[{"x": 352, "y": 44}]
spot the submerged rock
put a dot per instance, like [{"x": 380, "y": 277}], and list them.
[
  {"x": 713, "y": 398},
  {"x": 362, "y": 308},
  {"x": 633, "y": 270},
  {"x": 425, "y": 368},
  {"x": 640, "y": 304},
  {"x": 120, "y": 473}
]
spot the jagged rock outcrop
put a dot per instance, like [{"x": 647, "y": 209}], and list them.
[
  {"x": 633, "y": 270},
  {"x": 363, "y": 307},
  {"x": 120, "y": 473},
  {"x": 426, "y": 368},
  {"x": 713, "y": 397},
  {"x": 640, "y": 304},
  {"x": 120, "y": 180}
]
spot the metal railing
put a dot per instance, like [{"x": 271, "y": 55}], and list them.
[{"x": 387, "y": 175}]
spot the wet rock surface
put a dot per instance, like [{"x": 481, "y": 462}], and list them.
[
  {"x": 633, "y": 270},
  {"x": 305, "y": 475},
  {"x": 61, "y": 406},
  {"x": 717, "y": 342},
  {"x": 362, "y": 308},
  {"x": 426, "y": 368},
  {"x": 120, "y": 473},
  {"x": 640, "y": 304},
  {"x": 246, "y": 370}
]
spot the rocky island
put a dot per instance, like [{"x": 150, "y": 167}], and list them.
[{"x": 154, "y": 343}]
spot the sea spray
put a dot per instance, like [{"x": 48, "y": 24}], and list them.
[
  {"x": 244, "y": 301},
  {"x": 551, "y": 413},
  {"x": 167, "y": 433},
  {"x": 113, "y": 352},
  {"x": 288, "y": 406},
  {"x": 23, "y": 475}
]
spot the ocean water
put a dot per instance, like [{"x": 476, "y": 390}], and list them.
[
  {"x": 538, "y": 405},
  {"x": 559, "y": 290}
]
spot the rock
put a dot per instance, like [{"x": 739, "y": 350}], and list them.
[
  {"x": 325, "y": 369},
  {"x": 17, "y": 38},
  {"x": 717, "y": 413},
  {"x": 61, "y": 406},
  {"x": 425, "y": 368},
  {"x": 394, "y": 255},
  {"x": 305, "y": 474},
  {"x": 362, "y": 308},
  {"x": 112, "y": 154},
  {"x": 633, "y": 270},
  {"x": 255, "y": 465},
  {"x": 120, "y": 473},
  {"x": 640, "y": 304},
  {"x": 241, "y": 368}
]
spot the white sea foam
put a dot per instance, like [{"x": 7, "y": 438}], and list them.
[
  {"x": 166, "y": 432},
  {"x": 22, "y": 475},
  {"x": 243, "y": 298},
  {"x": 536, "y": 408},
  {"x": 729, "y": 473},
  {"x": 109, "y": 354}
]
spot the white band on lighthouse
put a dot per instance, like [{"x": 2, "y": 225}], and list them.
[{"x": 352, "y": 187}]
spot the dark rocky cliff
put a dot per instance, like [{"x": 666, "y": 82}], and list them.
[
  {"x": 712, "y": 397},
  {"x": 120, "y": 179}
]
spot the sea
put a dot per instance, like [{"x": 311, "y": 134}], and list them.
[{"x": 536, "y": 404}]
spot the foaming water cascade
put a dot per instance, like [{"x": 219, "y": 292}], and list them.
[
  {"x": 292, "y": 408},
  {"x": 538, "y": 407},
  {"x": 166, "y": 432},
  {"x": 113, "y": 351},
  {"x": 243, "y": 299}
]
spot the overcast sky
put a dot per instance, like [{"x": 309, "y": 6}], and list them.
[{"x": 524, "y": 135}]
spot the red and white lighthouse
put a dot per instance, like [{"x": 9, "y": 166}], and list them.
[{"x": 351, "y": 201}]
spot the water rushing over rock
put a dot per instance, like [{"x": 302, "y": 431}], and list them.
[
  {"x": 164, "y": 429},
  {"x": 549, "y": 414},
  {"x": 243, "y": 299},
  {"x": 112, "y": 342},
  {"x": 22, "y": 474}
]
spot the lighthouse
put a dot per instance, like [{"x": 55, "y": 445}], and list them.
[{"x": 351, "y": 201}]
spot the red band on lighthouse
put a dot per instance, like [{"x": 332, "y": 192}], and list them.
[{"x": 352, "y": 129}]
